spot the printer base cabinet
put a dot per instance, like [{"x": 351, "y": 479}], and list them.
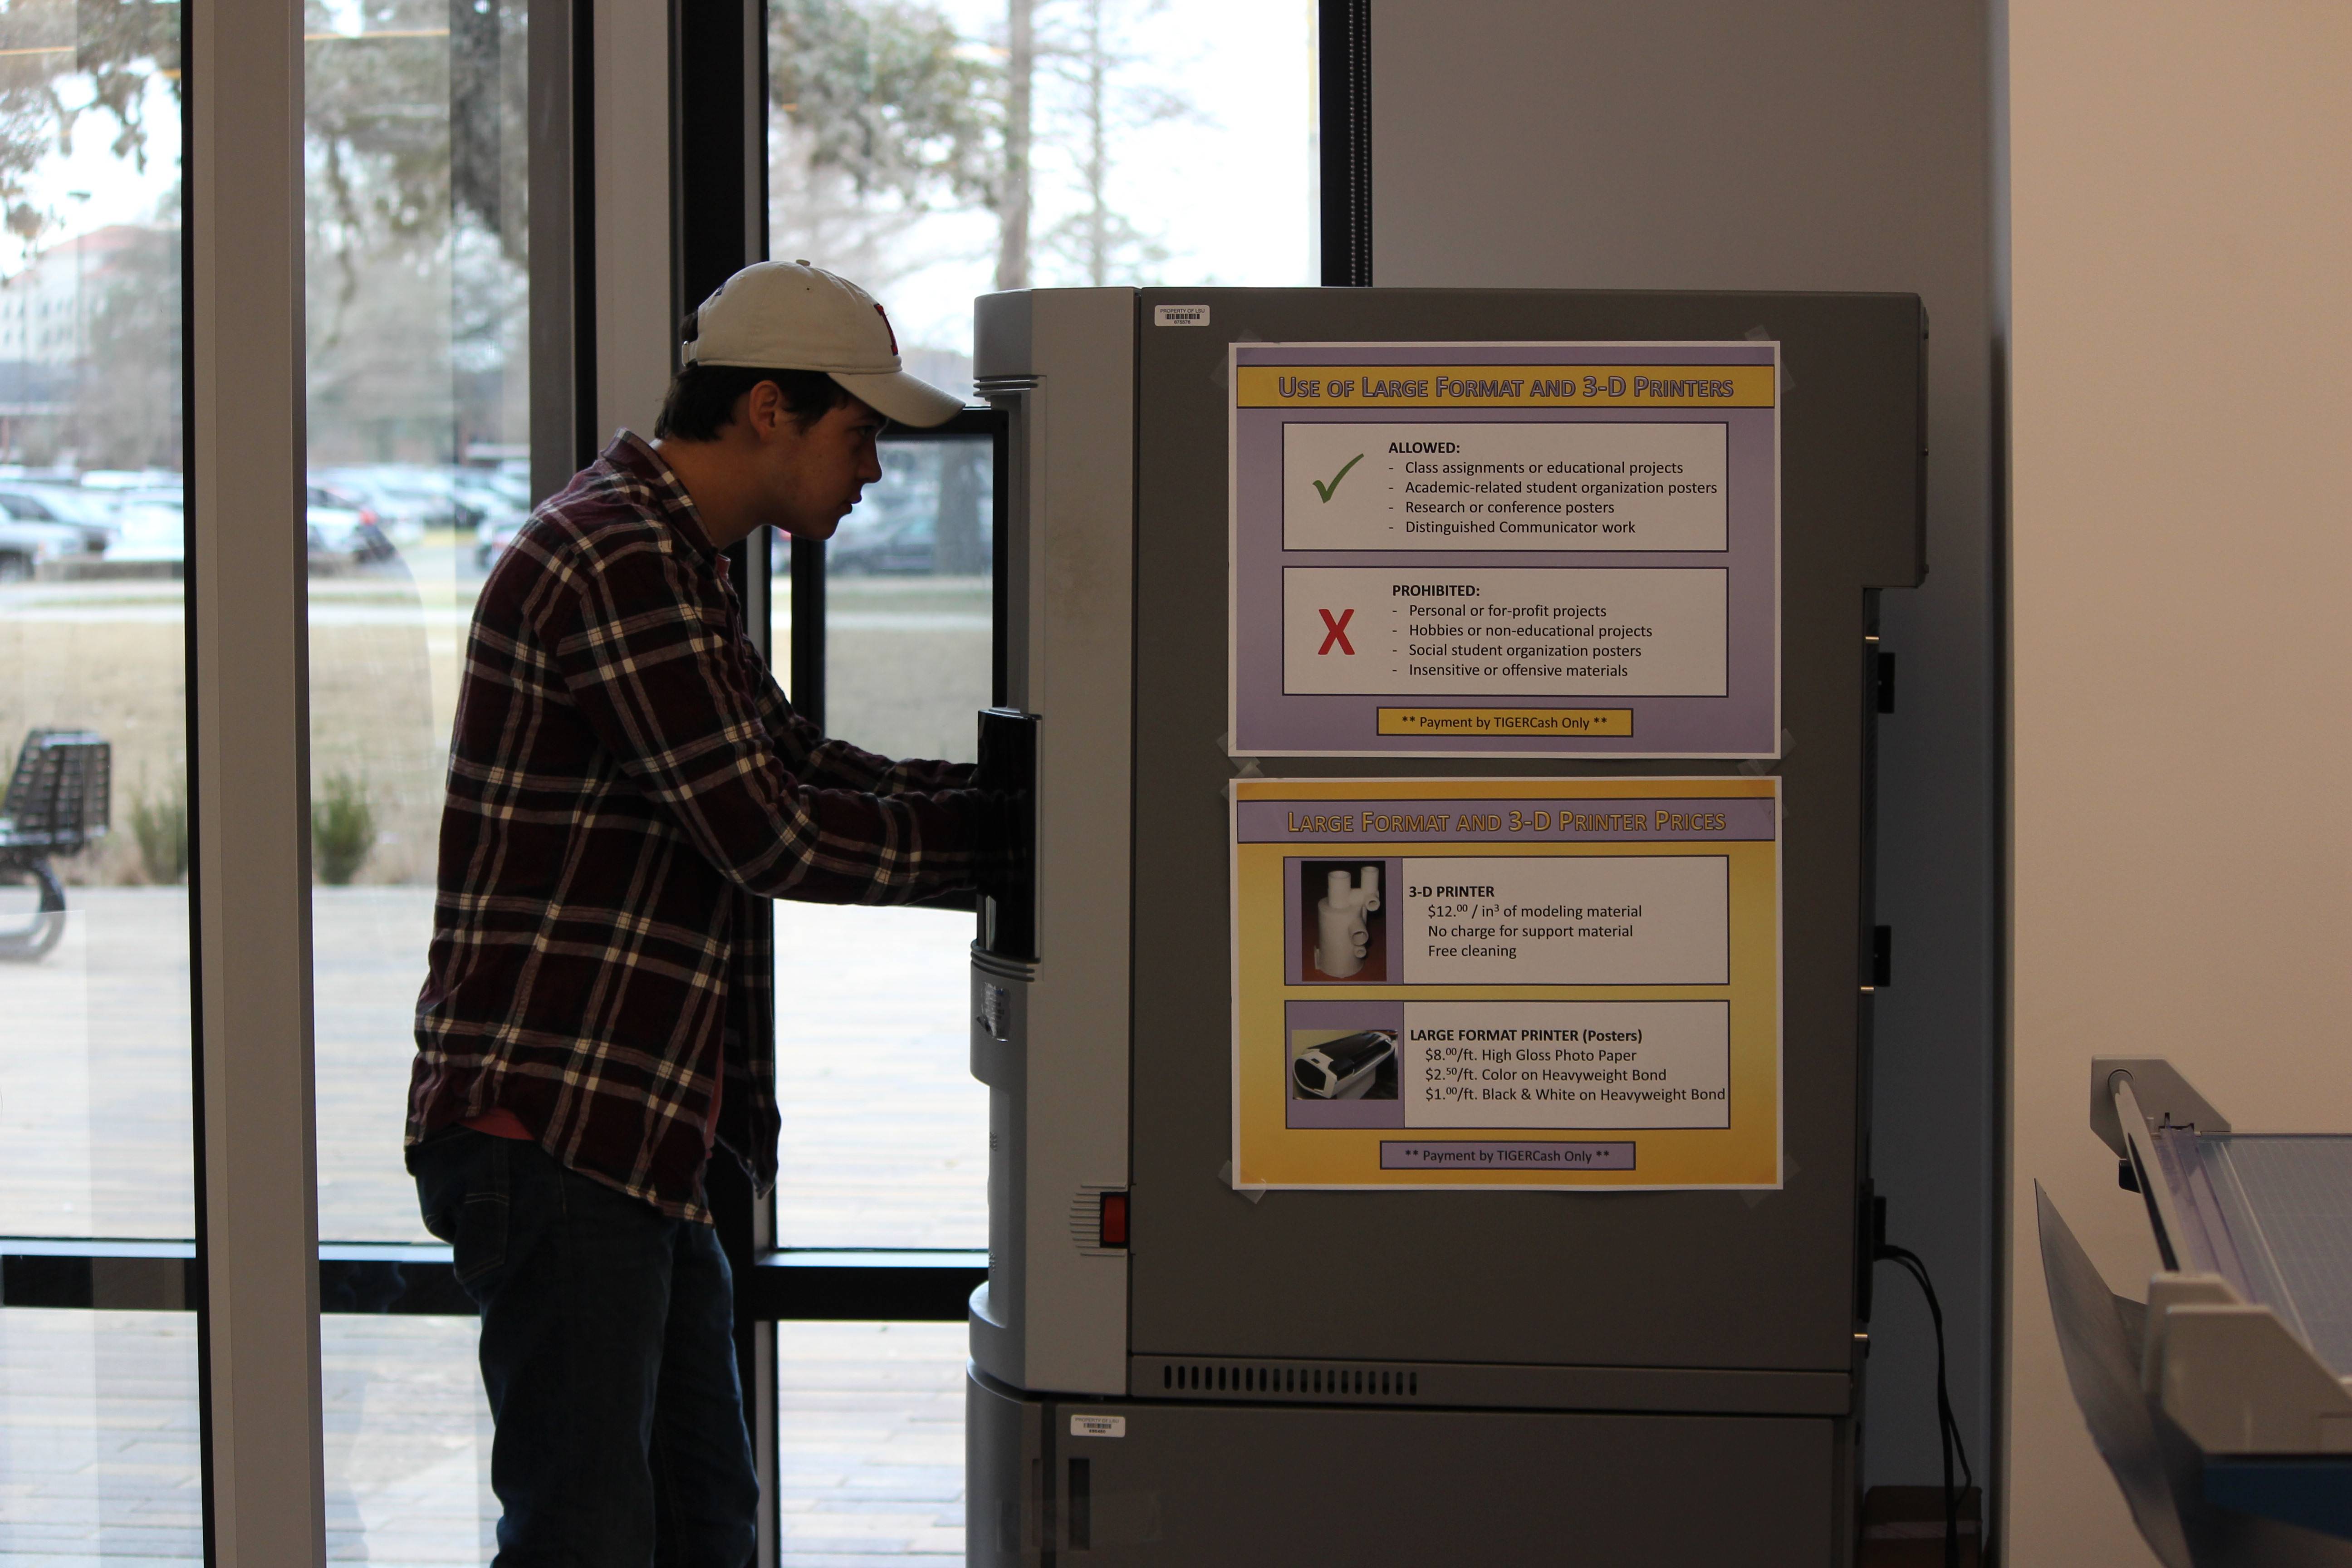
[{"x": 1239, "y": 1486}]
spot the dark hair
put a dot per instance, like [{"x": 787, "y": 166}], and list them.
[{"x": 701, "y": 399}]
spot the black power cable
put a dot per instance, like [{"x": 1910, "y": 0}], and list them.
[{"x": 1948, "y": 1425}]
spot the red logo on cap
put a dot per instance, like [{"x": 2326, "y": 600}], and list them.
[{"x": 887, "y": 327}]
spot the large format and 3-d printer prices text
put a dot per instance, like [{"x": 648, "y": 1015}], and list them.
[{"x": 1541, "y": 983}]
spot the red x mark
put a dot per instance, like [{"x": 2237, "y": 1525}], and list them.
[{"x": 1337, "y": 631}]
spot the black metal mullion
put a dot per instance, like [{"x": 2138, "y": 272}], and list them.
[
  {"x": 718, "y": 125},
  {"x": 807, "y": 678},
  {"x": 419, "y": 1281},
  {"x": 714, "y": 148},
  {"x": 195, "y": 1279},
  {"x": 1344, "y": 60},
  {"x": 1000, "y": 556},
  {"x": 791, "y": 1288},
  {"x": 587, "y": 436}
]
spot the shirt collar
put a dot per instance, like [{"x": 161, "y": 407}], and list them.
[{"x": 632, "y": 454}]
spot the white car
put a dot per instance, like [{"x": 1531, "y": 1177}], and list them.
[
  {"x": 88, "y": 513},
  {"x": 118, "y": 481},
  {"x": 24, "y": 546},
  {"x": 151, "y": 525}
]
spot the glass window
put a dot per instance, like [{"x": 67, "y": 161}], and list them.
[
  {"x": 98, "y": 1409},
  {"x": 886, "y": 1134},
  {"x": 417, "y": 301},
  {"x": 886, "y": 1131},
  {"x": 870, "y": 1450},
  {"x": 94, "y": 1131},
  {"x": 407, "y": 1434},
  {"x": 417, "y": 297},
  {"x": 98, "y": 1436},
  {"x": 933, "y": 151},
  {"x": 907, "y": 650}
]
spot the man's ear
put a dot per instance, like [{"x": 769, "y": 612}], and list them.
[{"x": 764, "y": 409}]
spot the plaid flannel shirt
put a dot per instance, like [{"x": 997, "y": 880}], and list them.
[{"x": 624, "y": 780}]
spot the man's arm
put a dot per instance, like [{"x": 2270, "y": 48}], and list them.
[{"x": 662, "y": 685}]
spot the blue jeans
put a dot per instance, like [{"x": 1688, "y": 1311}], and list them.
[{"x": 608, "y": 1352}]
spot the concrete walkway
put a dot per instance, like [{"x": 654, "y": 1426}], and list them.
[{"x": 886, "y": 1134}]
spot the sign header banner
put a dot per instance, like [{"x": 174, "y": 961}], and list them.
[{"x": 1507, "y": 386}]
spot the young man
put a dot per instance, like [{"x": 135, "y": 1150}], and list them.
[{"x": 625, "y": 780}]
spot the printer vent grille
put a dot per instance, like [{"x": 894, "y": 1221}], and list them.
[{"x": 1307, "y": 1382}]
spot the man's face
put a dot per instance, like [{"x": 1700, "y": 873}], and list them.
[{"x": 810, "y": 478}]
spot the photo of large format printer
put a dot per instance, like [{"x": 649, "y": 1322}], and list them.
[{"x": 1361, "y": 1066}]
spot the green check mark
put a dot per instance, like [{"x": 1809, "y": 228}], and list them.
[{"x": 1325, "y": 490}]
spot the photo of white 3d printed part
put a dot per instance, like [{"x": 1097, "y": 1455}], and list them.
[{"x": 1347, "y": 903}]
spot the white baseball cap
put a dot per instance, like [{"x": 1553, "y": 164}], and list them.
[{"x": 788, "y": 315}]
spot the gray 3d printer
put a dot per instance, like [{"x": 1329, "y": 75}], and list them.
[{"x": 1170, "y": 1365}]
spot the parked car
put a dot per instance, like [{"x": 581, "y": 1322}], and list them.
[
  {"x": 494, "y": 534},
  {"x": 25, "y": 545},
  {"x": 478, "y": 495},
  {"x": 903, "y": 539},
  {"x": 150, "y": 525},
  {"x": 900, "y": 544},
  {"x": 90, "y": 515},
  {"x": 344, "y": 531},
  {"x": 153, "y": 527},
  {"x": 404, "y": 502},
  {"x": 896, "y": 527},
  {"x": 120, "y": 479}
]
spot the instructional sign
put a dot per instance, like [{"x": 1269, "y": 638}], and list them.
[
  {"x": 1482, "y": 549},
  {"x": 1522, "y": 983}
]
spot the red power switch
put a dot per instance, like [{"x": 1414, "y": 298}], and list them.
[{"x": 1114, "y": 1219}]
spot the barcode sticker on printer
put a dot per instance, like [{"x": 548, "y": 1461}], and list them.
[{"x": 1098, "y": 1425}]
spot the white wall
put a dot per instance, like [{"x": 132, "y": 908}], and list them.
[
  {"x": 2181, "y": 547},
  {"x": 1808, "y": 144}
]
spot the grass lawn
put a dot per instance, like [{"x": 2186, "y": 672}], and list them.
[{"x": 908, "y": 664}]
